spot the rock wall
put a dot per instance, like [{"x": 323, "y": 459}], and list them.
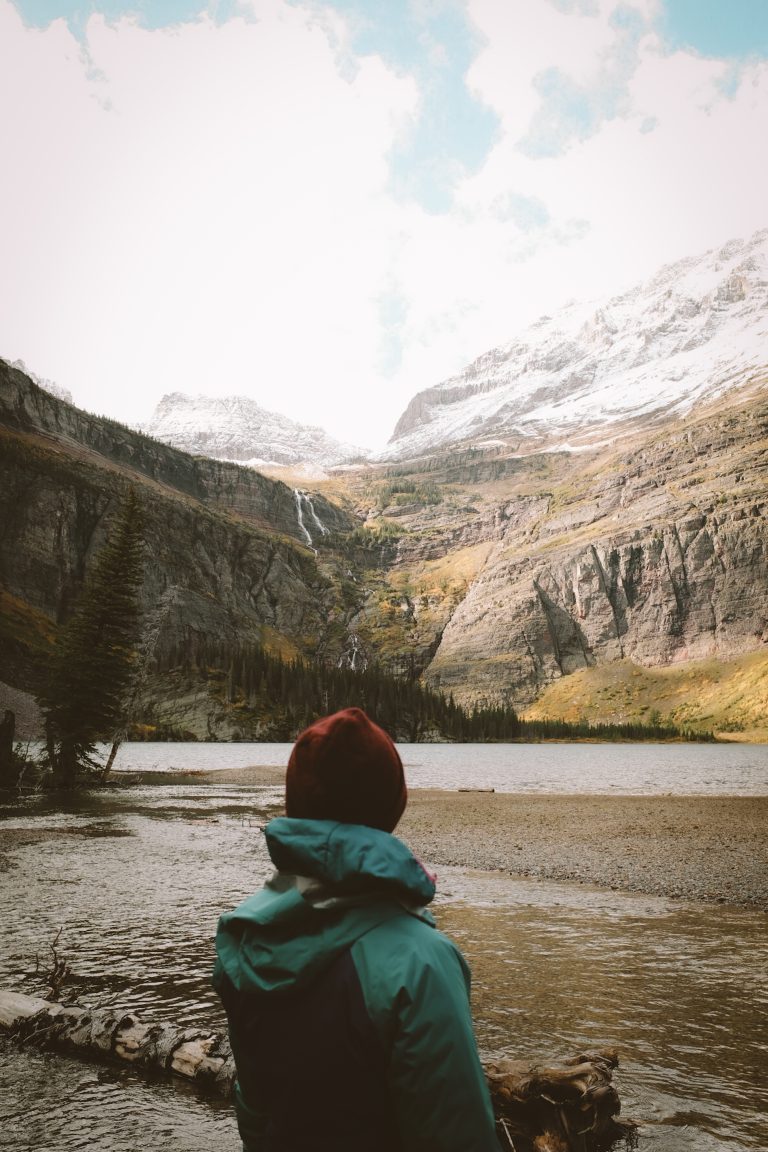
[
  {"x": 228, "y": 487},
  {"x": 663, "y": 557},
  {"x": 223, "y": 562}
]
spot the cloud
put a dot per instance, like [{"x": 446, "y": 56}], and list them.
[
  {"x": 203, "y": 206},
  {"x": 450, "y": 131},
  {"x": 664, "y": 162},
  {"x": 211, "y": 207}
]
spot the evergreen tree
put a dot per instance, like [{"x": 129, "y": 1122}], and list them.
[{"x": 90, "y": 674}]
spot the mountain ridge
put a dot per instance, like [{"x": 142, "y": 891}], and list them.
[
  {"x": 693, "y": 330},
  {"x": 492, "y": 561},
  {"x": 236, "y": 428}
]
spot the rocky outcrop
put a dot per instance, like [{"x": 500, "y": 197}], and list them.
[
  {"x": 658, "y": 556},
  {"x": 226, "y": 560},
  {"x": 436, "y": 532},
  {"x": 49, "y": 385}
]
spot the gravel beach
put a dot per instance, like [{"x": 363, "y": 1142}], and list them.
[{"x": 711, "y": 848}]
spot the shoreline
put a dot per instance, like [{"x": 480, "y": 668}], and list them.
[
  {"x": 711, "y": 849},
  {"x": 706, "y": 848},
  {"x": 702, "y": 848}
]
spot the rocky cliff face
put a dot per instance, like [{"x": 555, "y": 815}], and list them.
[
  {"x": 228, "y": 560},
  {"x": 225, "y": 487},
  {"x": 657, "y": 554},
  {"x": 48, "y": 385}
]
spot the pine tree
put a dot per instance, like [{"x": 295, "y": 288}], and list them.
[{"x": 90, "y": 674}]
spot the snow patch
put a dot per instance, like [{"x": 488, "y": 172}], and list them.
[
  {"x": 693, "y": 331},
  {"x": 237, "y": 429}
]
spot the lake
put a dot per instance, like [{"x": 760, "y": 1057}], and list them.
[
  {"x": 136, "y": 878},
  {"x": 634, "y": 769}
]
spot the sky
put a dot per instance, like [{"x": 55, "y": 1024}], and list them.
[{"x": 330, "y": 205}]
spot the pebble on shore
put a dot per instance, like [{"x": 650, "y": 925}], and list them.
[{"x": 702, "y": 848}]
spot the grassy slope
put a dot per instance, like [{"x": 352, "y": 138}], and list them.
[{"x": 730, "y": 697}]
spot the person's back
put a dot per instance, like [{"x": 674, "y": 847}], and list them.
[{"x": 348, "y": 1012}]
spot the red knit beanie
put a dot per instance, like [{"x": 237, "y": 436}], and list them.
[{"x": 344, "y": 767}]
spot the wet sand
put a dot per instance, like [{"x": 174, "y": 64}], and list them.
[{"x": 711, "y": 848}]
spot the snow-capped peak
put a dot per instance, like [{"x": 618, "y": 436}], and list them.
[
  {"x": 237, "y": 428},
  {"x": 696, "y": 329}
]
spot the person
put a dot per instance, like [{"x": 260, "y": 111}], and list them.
[{"x": 348, "y": 1011}]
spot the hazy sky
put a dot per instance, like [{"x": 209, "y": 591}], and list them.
[{"x": 329, "y": 205}]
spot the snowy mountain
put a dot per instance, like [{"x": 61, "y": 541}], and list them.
[
  {"x": 48, "y": 385},
  {"x": 236, "y": 428},
  {"x": 695, "y": 330}
]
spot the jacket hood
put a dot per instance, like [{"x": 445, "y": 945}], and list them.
[{"x": 334, "y": 883}]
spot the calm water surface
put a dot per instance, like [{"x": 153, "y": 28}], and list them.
[
  {"x": 681, "y": 769},
  {"x": 137, "y": 878}
]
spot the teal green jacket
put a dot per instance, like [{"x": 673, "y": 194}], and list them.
[{"x": 348, "y": 1011}]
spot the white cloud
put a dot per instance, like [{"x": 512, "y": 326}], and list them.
[
  {"x": 208, "y": 208},
  {"x": 206, "y": 214},
  {"x": 648, "y": 196}
]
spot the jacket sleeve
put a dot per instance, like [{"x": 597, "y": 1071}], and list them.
[{"x": 416, "y": 985}]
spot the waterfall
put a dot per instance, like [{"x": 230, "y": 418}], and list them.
[
  {"x": 298, "y": 496},
  {"x": 302, "y": 501},
  {"x": 353, "y": 657},
  {"x": 323, "y": 530}
]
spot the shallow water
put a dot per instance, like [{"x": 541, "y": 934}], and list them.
[
  {"x": 136, "y": 880},
  {"x": 680, "y": 989},
  {"x": 51, "y": 1103},
  {"x": 638, "y": 769}
]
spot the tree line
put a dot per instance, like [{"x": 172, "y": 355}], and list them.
[{"x": 278, "y": 698}]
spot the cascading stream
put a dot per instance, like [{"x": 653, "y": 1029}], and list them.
[
  {"x": 298, "y": 498},
  {"x": 303, "y": 501},
  {"x": 320, "y": 526}
]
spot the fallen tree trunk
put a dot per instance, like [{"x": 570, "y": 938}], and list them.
[
  {"x": 193, "y": 1053},
  {"x": 572, "y": 1107}
]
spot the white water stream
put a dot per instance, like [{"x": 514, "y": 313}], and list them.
[{"x": 303, "y": 501}]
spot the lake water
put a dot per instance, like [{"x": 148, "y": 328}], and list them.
[
  {"x": 137, "y": 877},
  {"x": 635, "y": 769}
]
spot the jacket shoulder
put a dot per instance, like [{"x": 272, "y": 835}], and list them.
[{"x": 406, "y": 960}]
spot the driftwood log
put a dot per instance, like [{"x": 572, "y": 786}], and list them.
[
  {"x": 572, "y": 1107},
  {"x": 195, "y": 1054}
]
